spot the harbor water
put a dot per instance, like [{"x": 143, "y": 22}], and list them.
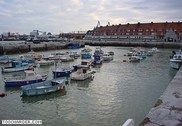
[{"x": 119, "y": 90}]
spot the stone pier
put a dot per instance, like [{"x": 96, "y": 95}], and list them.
[
  {"x": 14, "y": 48},
  {"x": 168, "y": 109}
]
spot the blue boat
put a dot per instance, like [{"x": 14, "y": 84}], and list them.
[
  {"x": 31, "y": 78},
  {"x": 86, "y": 55},
  {"x": 98, "y": 56},
  {"x": 5, "y": 59},
  {"x": 42, "y": 88},
  {"x": 73, "y": 45},
  {"x": 62, "y": 72},
  {"x": 17, "y": 66}
]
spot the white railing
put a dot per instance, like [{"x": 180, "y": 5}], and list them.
[{"x": 129, "y": 122}]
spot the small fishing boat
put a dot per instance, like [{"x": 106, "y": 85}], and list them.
[
  {"x": 45, "y": 62},
  {"x": 31, "y": 78},
  {"x": 86, "y": 64},
  {"x": 52, "y": 57},
  {"x": 176, "y": 60},
  {"x": 142, "y": 54},
  {"x": 86, "y": 53},
  {"x": 73, "y": 45},
  {"x": 135, "y": 58},
  {"x": 86, "y": 49},
  {"x": 98, "y": 56},
  {"x": 154, "y": 49},
  {"x": 129, "y": 53},
  {"x": 35, "y": 55},
  {"x": 111, "y": 53},
  {"x": 107, "y": 57},
  {"x": 17, "y": 66},
  {"x": 66, "y": 58},
  {"x": 5, "y": 59},
  {"x": 62, "y": 72},
  {"x": 149, "y": 53},
  {"x": 45, "y": 87},
  {"x": 82, "y": 74},
  {"x": 74, "y": 55}
]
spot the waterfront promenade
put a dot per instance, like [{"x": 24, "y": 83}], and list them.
[{"x": 168, "y": 109}]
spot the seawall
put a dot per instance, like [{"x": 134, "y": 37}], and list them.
[
  {"x": 134, "y": 44},
  {"x": 23, "y": 47},
  {"x": 168, "y": 109}
]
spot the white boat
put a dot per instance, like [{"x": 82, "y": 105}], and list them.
[
  {"x": 45, "y": 62},
  {"x": 35, "y": 55},
  {"x": 154, "y": 49},
  {"x": 130, "y": 53},
  {"x": 74, "y": 55},
  {"x": 176, "y": 60},
  {"x": 53, "y": 57},
  {"x": 135, "y": 58},
  {"x": 66, "y": 58},
  {"x": 107, "y": 57},
  {"x": 81, "y": 74},
  {"x": 86, "y": 64}
]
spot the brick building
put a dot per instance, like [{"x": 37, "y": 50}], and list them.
[{"x": 165, "y": 31}]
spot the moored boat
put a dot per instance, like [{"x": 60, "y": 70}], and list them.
[
  {"x": 31, "y": 78},
  {"x": 62, "y": 72},
  {"x": 86, "y": 53},
  {"x": 86, "y": 64},
  {"x": 82, "y": 74},
  {"x": 45, "y": 87},
  {"x": 98, "y": 56},
  {"x": 107, "y": 57},
  {"x": 135, "y": 58},
  {"x": 176, "y": 60},
  {"x": 73, "y": 45},
  {"x": 45, "y": 62},
  {"x": 17, "y": 66},
  {"x": 5, "y": 59},
  {"x": 66, "y": 58},
  {"x": 110, "y": 53}
]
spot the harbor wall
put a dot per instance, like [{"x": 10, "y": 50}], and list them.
[
  {"x": 133, "y": 44},
  {"x": 23, "y": 47},
  {"x": 167, "y": 111}
]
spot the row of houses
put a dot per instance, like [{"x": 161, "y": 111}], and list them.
[{"x": 163, "y": 31}]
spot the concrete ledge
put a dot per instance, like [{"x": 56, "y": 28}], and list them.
[
  {"x": 134, "y": 44},
  {"x": 13, "y": 48},
  {"x": 168, "y": 109}
]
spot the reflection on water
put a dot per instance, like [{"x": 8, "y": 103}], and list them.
[
  {"x": 34, "y": 99},
  {"x": 119, "y": 90}
]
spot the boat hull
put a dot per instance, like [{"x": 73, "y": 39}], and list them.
[
  {"x": 9, "y": 70},
  {"x": 61, "y": 74},
  {"x": 81, "y": 77},
  {"x": 86, "y": 56},
  {"x": 41, "y": 88},
  {"x": 22, "y": 82},
  {"x": 175, "y": 64}
]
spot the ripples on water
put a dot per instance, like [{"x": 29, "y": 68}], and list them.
[{"x": 119, "y": 90}]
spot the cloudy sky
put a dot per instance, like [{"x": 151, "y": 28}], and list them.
[{"x": 74, "y": 15}]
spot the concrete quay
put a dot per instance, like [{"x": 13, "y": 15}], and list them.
[
  {"x": 134, "y": 44},
  {"x": 23, "y": 47},
  {"x": 168, "y": 109}
]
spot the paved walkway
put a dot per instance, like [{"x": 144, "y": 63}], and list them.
[{"x": 168, "y": 109}]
